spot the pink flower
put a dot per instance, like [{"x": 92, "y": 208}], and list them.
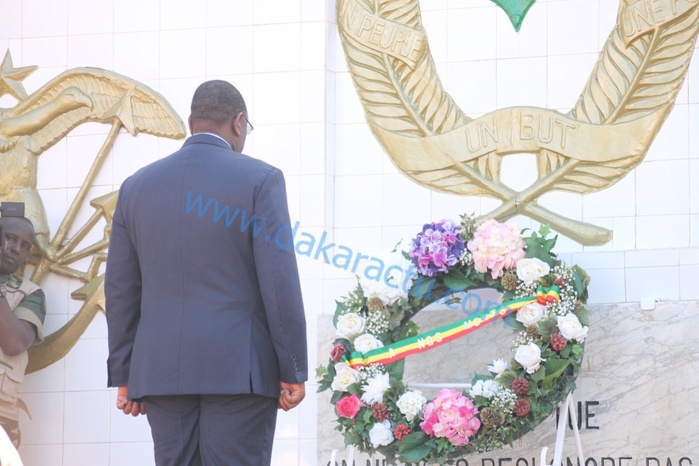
[
  {"x": 496, "y": 247},
  {"x": 348, "y": 406},
  {"x": 451, "y": 415}
]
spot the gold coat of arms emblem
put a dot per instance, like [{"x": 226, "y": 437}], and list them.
[{"x": 628, "y": 96}]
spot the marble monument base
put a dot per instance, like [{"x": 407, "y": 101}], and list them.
[{"x": 637, "y": 395}]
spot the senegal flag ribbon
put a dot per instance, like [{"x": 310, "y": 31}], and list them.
[{"x": 437, "y": 337}]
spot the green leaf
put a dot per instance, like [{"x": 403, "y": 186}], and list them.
[
  {"x": 581, "y": 280},
  {"x": 514, "y": 323},
  {"x": 547, "y": 327},
  {"x": 507, "y": 377},
  {"x": 415, "y": 455},
  {"x": 414, "y": 448},
  {"x": 408, "y": 330},
  {"x": 554, "y": 368},
  {"x": 321, "y": 371},
  {"x": 340, "y": 308},
  {"x": 331, "y": 371},
  {"x": 395, "y": 319},
  {"x": 422, "y": 288},
  {"x": 354, "y": 389},
  {"x": 395, "y": 370},
  {"x": 336, "y": 396},
  {"x": 583, "y": 315},
  {"x": 565, "y": 352},
  {"x": 539, "y": 247},
  {"x": 456, "y": 281},
  {"x": 538, "y": 375},
  {"x": 456, "y": 273},
  {"x": 324, "y": 378},
  {"x": 413, "y": 440},
  {"x": 344, "y": 342},
  {"x": 508, "y": 296}
]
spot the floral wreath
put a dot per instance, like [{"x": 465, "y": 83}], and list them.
[{"x": 377, "y": 412}]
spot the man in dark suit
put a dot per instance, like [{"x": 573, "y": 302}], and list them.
[{"x": 205, "y": 318}]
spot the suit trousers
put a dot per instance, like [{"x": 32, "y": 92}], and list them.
[{"x": 212, "y": 430}]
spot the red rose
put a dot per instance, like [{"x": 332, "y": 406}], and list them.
[
  {"x": 348, "y": 406},
  {"x": 337, "y": 352}
]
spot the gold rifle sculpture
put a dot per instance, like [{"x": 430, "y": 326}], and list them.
[
  {"x": 607, "y": 133},
  {"x": 36, "y": 123}
]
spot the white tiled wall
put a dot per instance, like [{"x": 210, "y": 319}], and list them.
[{"x": 286, "y": 58}]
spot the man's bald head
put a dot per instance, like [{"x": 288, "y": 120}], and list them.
[
  {"x": 216, "y": 101},
  {"x": 219, "y": 108}
]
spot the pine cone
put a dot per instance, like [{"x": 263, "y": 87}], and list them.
[
  {"x": 509, "y": 281},
  {"x": 374, "y": 304},
  {"x": 489, "y": 417},
  {"x": 533, "y": 332},
  {"x": 521, "y": 408},
  {"x": 401, "y": 431},
  {"x": 380, "y": 411},
  {"x": 558, "y": 342},
  {"x": 520, "y": 386}
]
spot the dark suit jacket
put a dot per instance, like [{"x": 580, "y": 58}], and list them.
[{"x": 202, "y": 288}]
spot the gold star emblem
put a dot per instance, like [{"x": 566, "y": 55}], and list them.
[{"x": 11, "y": 78}]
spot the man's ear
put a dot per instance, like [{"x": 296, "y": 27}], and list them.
[{"x": 236, "y": 128}]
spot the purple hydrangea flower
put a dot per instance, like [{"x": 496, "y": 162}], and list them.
[{"x": 437, "y": 248}]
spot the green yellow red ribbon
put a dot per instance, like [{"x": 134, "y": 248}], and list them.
[{"x": 442, "y": 335}]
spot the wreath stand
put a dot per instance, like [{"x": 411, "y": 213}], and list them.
[{"x": 568, "y": 410}]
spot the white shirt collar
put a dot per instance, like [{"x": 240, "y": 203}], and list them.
[{"x": 216, "y": 135}]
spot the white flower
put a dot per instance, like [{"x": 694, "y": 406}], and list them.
[
  {"x": 529, "y": 356},
  {"x": 411, "y": 403},
  {"x": 499, "y": 366},
  {"x": 349, "y": 325},
  {"x": 485, "y": 388},
  {"x": 530, "y": 314},
  {"x": 400, "y": 271},
  {"x": 344, "y": 377},
  {"x": 380, "y": 434},
  {"x": 378, "y": 289},
  {"x": 532, "y": 269},
  {"x": 366, "y": 342},
  {"x": 571, "y": 328},
  {"x": 374, "y": 389},
  {"x": 394, "y": 283},
  {"x": 504, "y": 400}
]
